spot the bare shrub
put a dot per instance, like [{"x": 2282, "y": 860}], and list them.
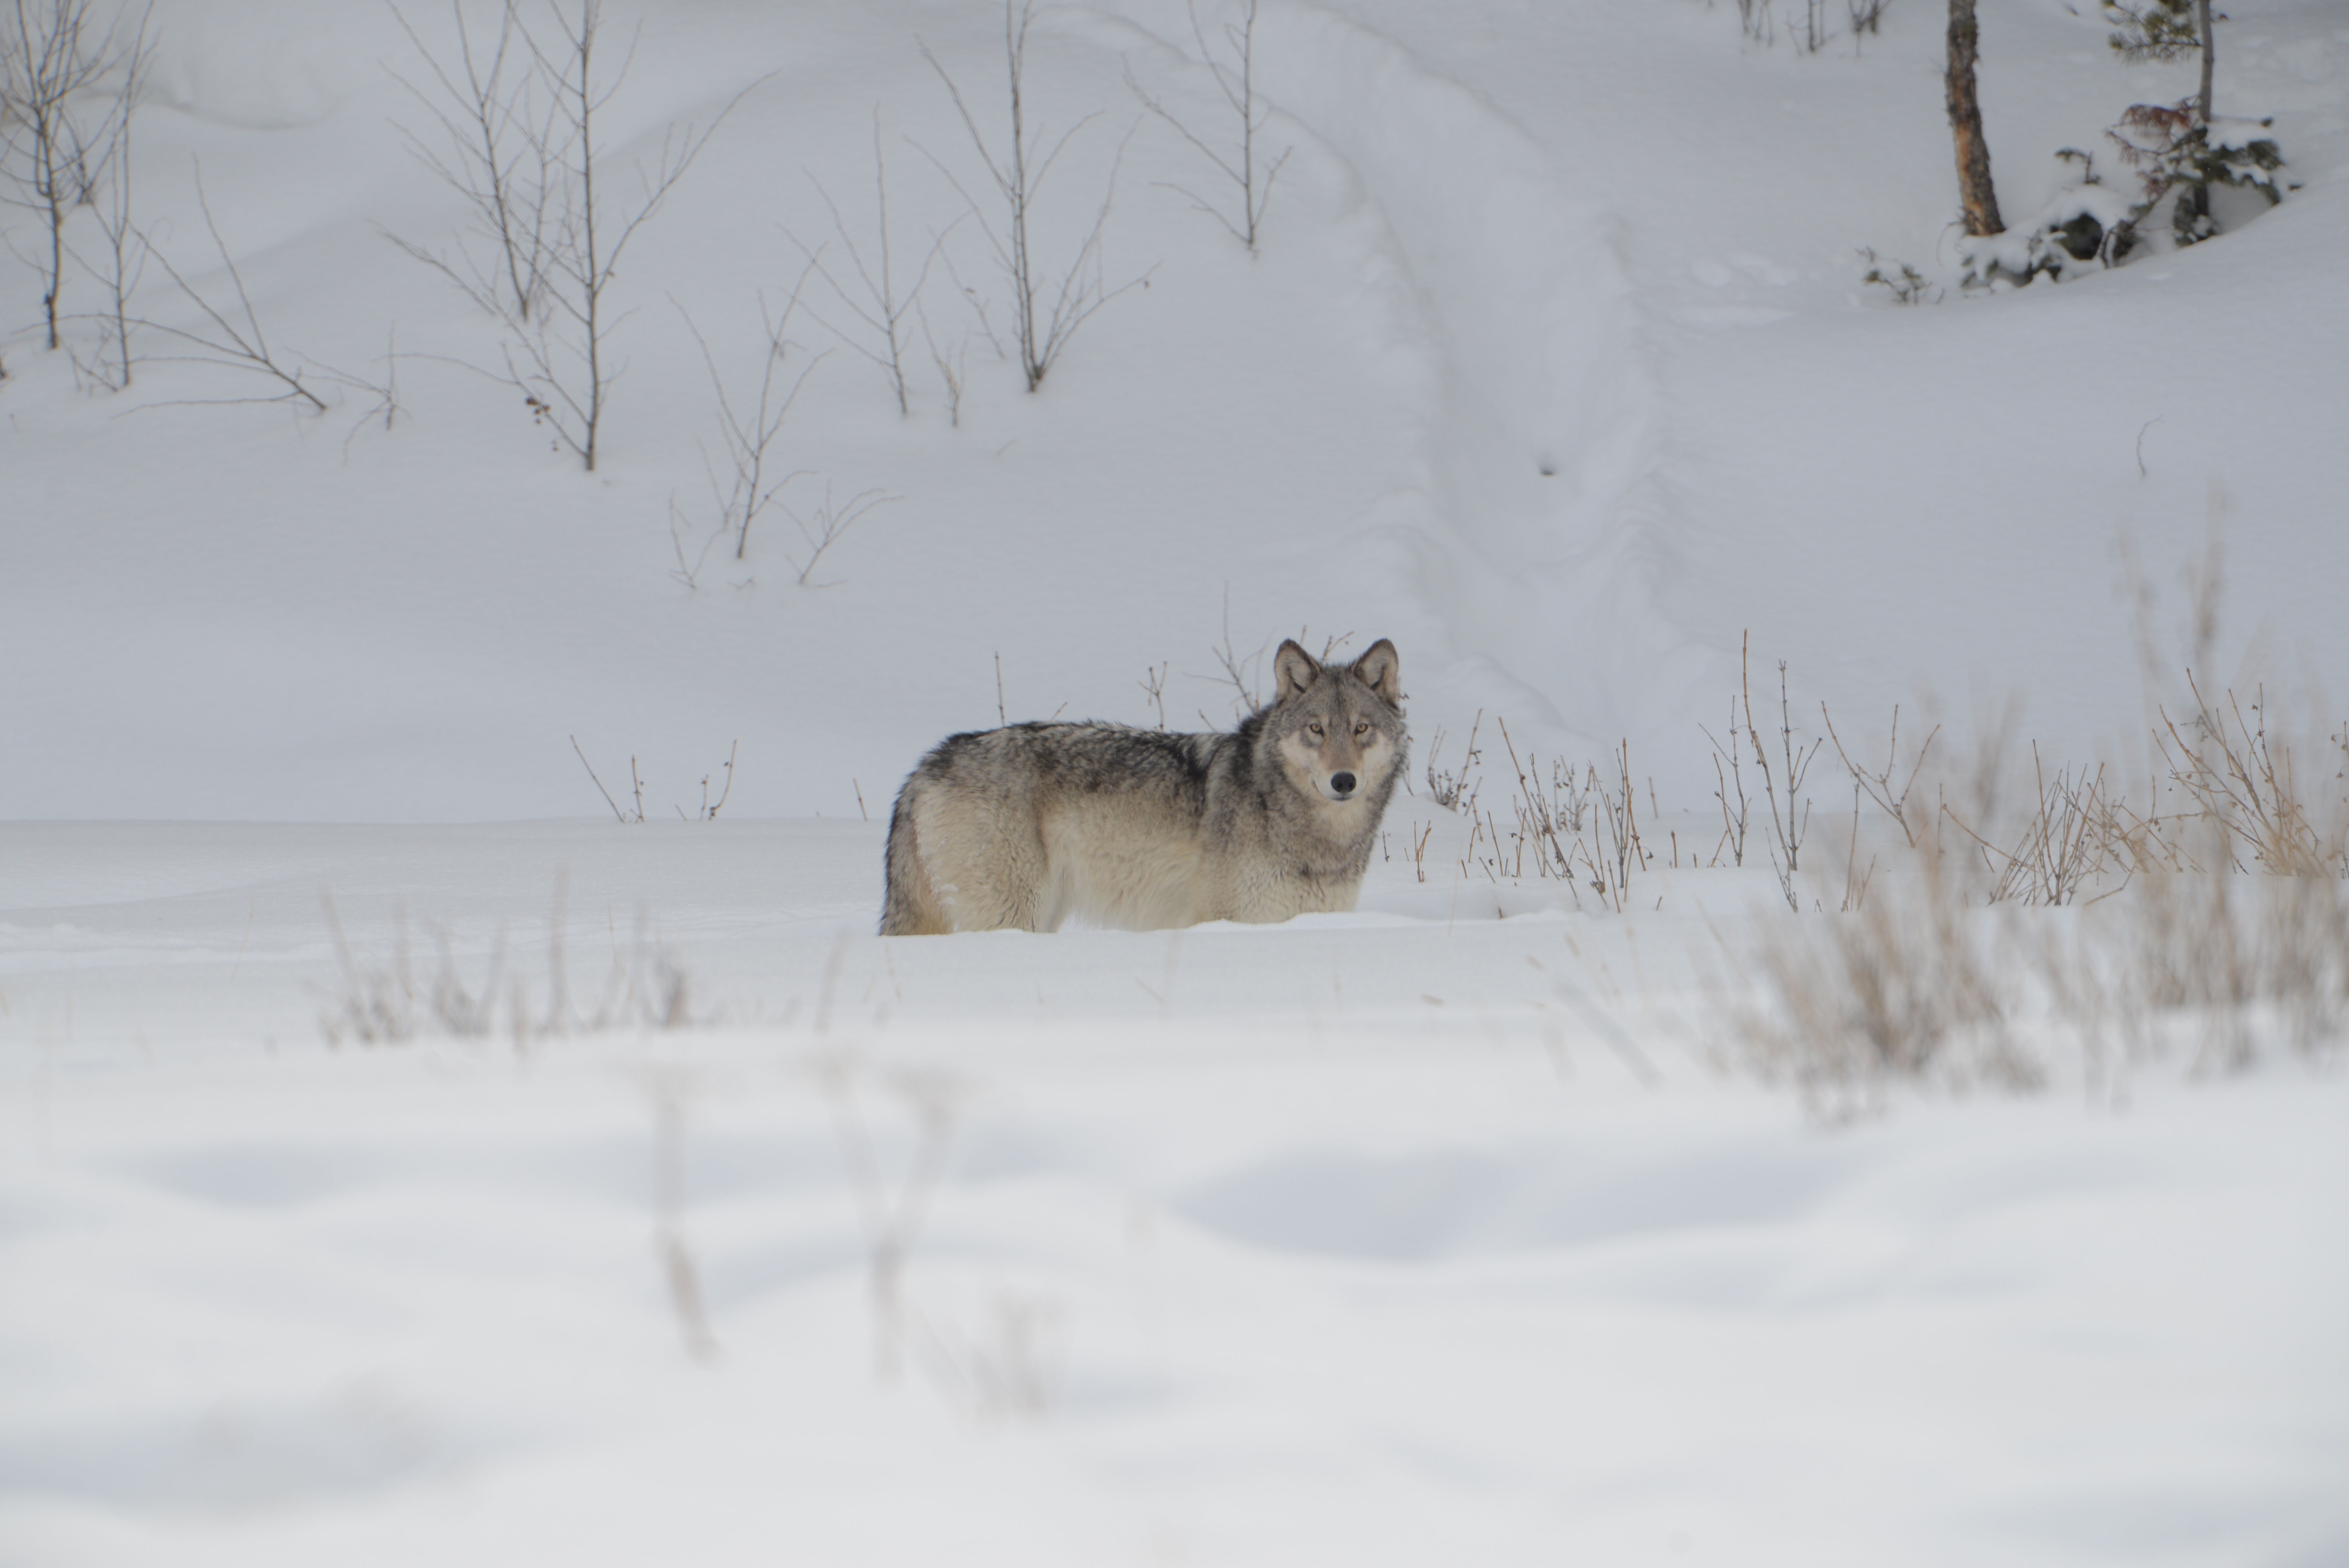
[
  {"x": 825, "y": 524},
  {"x": 500, "y": 150},
  {"x": 1790, "y": 817},
  {"x": 635, "y": 811},
  {"x": 2075, "y": 834},
  {"x": 1241, "y": 672},
  {"x": 1008, "y": 1368},
  {"x": 2222, "y": 924},
  {"x": 1453, "y": 790},
  {"x": 1812, "y": 34},
  {"x": 377, "y": 1005},
  {"x": 1908, "y": 987},
  {"x": 53, "y": 58},
  {"x": 1618, "y": 816},
  {"x": 1577, "y": 825},
  {"x": 1237, "y": 81},
  {"x": 2249, "y": 786},
  {"x": 1905, "y": 284},
  {"x": 877, "y": 304},
  {"x": 953, "y": 366},
  {"x": 1728, "y": 780},
  {"x": 1551, "y": 812},
  {"x": 2228, "y": 952},
  {"x": 381, "y": 1001},
  {"x": 892, "y": 1212},
  {"x": 122, "y": 259},
  {"x": 522, "y": 145},
  {"x": 1154, "y": 688},
  {"x": 754, "y": 477},
  {"x": 1046, "y": 313},
  {"x": 1877, "y": 785}
]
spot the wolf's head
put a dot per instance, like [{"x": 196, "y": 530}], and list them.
[{"x": 1338, "y": 729}]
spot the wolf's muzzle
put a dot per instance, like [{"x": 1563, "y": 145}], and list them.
[{"x": 1341, "y": 785}]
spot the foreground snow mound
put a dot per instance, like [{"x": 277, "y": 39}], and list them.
[{"x": 647, "y": 1207}]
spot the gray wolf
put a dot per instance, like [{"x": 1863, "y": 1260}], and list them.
[{"x": 1021, "y": 828}]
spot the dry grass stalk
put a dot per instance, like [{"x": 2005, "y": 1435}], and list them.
[
  {"x": 1548, "y": 820},
  {"x": 668, "y": 1091},
  {"x": 2074, "y": 835},
  {"x": 1006, "y": 1371},
  {"x": 2247, "y": 783},
  {"x": 1905, "y": 988},
  {"x": 2215, "y": 927},
  {"x": 1449, "y": 789},
  {"x": 647, "y": 987},
  {"x": 1877, "y": 785}
]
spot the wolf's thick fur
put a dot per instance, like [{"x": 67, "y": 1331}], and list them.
[{"x": 1023, "y": 827}]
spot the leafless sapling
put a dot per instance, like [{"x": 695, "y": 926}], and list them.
[
  {"x": 1877, "y": 785},
  {"x": 535, "y": 175},
  {"x": 53, "y": 56},
  {"x": 1815, "y": 34},
  {"x": 123, "y": 258},
  {"x": 1729, "y": 779},
  {"x": 751, "y": 436},
  {"x": 826, "y": 524},
  {"x": 1789, "y": 818},
  {"x": 1239, "y": 670},
  {"x": 498, "y": 148},
  {"x": 1153, "y": 686},
  {"x": 1047, "y": 313},
  {"x": 953, "y": 368},
  {"x": 564, "y": 369},
  {"x": 618, "y": 815},
  {"x": 875, "y": 303},
  {"x": 1237, "y": 83}
]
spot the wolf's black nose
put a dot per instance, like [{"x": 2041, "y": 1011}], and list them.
[{"x": 1342, "y": 782}]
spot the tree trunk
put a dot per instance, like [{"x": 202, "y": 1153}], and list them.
[
  {"x": 2210, "y": 58},
  {"x": 1974, "y": 189}
]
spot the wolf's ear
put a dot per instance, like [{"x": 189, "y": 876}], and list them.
[
  {"x": 1293, "y": 669},
  {"x": 1380, "y": 669}
]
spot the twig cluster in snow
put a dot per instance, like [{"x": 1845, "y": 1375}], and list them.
[
  {"x": 634, "y": 812},
  {"x": 233, "y": 336},
  {"x": 385, "y": 1001}
]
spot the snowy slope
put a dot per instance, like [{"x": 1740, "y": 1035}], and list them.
[{"x": 1619, "y": 246}]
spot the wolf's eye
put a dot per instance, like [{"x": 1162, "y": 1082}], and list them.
[
  {"x": 1361, "y": 730},
  {"x": 1316, "y": 730}
]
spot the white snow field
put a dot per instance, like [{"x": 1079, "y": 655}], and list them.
[{"x": 402, "y": 1160}]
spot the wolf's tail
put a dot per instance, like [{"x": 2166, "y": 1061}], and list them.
[{"x": 909, "y": 904}]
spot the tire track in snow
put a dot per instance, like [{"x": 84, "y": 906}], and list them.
[{"x": 1543, "y": 452}]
